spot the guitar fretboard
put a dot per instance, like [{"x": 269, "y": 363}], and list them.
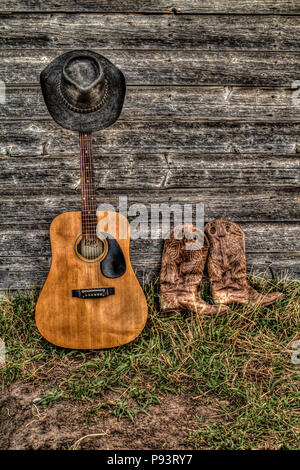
[{"x": 88, "y": 202}]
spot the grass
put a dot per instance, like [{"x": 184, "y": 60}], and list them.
[{"x": 243, "y": 359}]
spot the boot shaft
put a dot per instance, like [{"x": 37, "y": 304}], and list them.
[
  {"x": 184, "y": 258},
  {"x": 226, "y": 263}
]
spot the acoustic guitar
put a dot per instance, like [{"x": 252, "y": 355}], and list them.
[{"x": 91, "y": 298}]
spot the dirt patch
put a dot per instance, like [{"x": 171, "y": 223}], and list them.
[{"x": 26, "y": 425}]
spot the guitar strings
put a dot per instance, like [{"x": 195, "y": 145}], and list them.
[
  {"x": 92, "y": 194},
  {"x": 89, "y": 202},
  {"x": 89, "y": 193},
  {"x": 89, "y": 218},
  {"x": 84, "y": 195},
  {"x": 92, "y": 203}
]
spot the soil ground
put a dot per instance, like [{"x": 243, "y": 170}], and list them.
[
  {"x": 25, "y": 425},
  {"x": 186, "y": 382}
]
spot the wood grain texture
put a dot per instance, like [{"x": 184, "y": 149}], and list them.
[
  {"x": 156, "y": 32},
  {"x": 210, "y": 117},
  {"x": 87, "y": 323},
  {"x": 159, "y": 6},
  {"x": 275, "y": 237},
  {"x": 47, "y": 138},
  {"x": 172, "y": 67},
  {"x": 249, "y": 204},
  {"x": 150, "y": 171},
  {"x": 216, "y": 103},
  {"x": 147, "y": 266}
]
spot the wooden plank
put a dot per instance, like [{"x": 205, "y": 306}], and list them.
[
  {"x": 47, "y": 138},
  {"x": 165, "y": 102},
  {"x": 249, "y": 204},
  {"x": 205, "y": 32},
  {"x": 31, "y": 263},
  {"x": 172, "y": 67},
  {"x": 171, "y": 171},
  {"x": 284, "y": 265},
  {"x": 159, "y": 6},
  {"x": 28, "y": 241}
]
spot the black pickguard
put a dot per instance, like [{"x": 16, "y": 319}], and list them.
[{"x": 114, "y": 264}]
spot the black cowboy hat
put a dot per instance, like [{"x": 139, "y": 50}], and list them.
[{"x": 83, "y": 91}]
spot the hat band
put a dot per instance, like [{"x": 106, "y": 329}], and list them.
[{"x": 86, "y": 110}]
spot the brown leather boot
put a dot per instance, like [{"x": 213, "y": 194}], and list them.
[
  {"x": 226, "y": 266},
  {"x": 182, "y": 267}
]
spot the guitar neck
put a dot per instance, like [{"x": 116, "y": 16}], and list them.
[{"x": 88, "y": 202}]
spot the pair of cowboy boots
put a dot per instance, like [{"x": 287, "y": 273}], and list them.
[{"x": 222, "y": 248}]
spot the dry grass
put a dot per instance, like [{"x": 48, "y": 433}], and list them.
[{"x": 243, "y": 359}]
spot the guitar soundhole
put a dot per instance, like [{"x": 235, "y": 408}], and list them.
[{"x": 90, "y": 249}]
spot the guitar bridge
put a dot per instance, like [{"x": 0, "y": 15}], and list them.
[{"x": 93, "y": 293}]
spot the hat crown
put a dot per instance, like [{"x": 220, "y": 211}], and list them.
[
  {"x": 83, "y": 90},
  {"x": 83, "y": 85}
]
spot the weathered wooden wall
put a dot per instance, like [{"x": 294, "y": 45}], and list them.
[{"x": 208, "y": 117}]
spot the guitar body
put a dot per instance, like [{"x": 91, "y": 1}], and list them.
[{"x": 90, "y": 323}]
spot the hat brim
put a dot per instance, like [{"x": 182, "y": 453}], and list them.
[{"x": 83, "y": 122}]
